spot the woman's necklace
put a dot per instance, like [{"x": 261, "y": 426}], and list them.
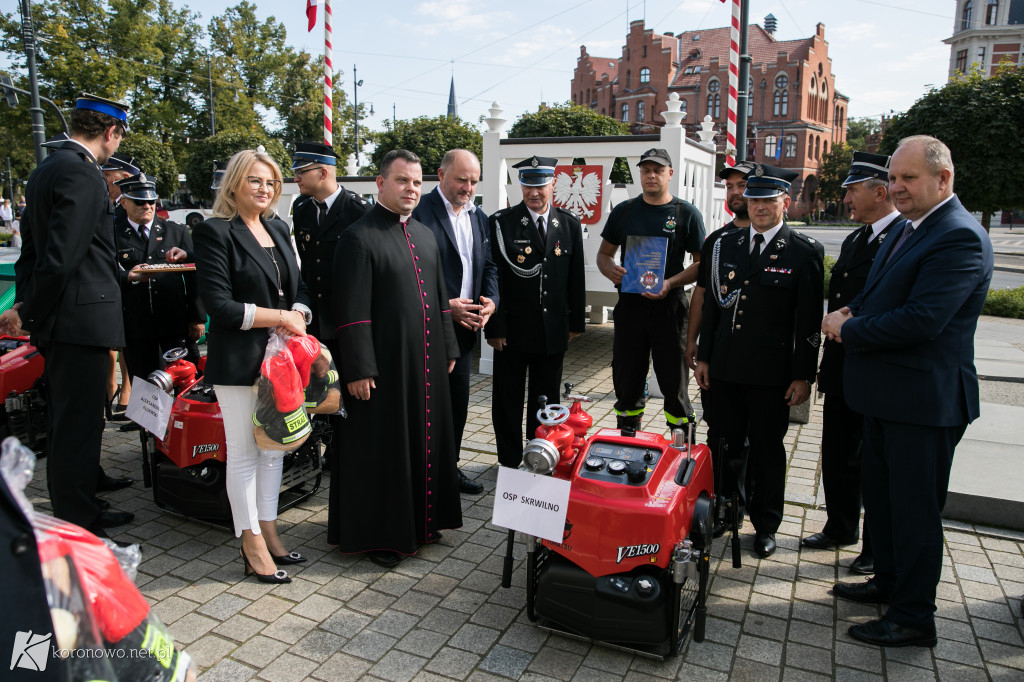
[{"x": 270, "y": 252}]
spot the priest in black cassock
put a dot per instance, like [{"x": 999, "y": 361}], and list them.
[{"x": 394, "y": 481}]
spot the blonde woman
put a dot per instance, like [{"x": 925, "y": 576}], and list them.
[{"x": 249, "y": 282}]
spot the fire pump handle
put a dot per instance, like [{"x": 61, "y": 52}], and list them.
[
  {"x": 175, "y": 354},
  {"x": 574, "y": 397},
  {"x": 552, "y": 415}
]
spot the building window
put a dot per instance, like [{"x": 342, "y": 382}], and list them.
[
  {"x": 824, "y": 103},
  {"x": 961, "y": 61},
  {"x": 817, "y": 147},
  {"x": 790, "y": 150},
  {"x": 770, "y": 143},
  {"x": 824, "y": 148},
  {"x": 992, "y": 12},
  {"x": 750, "y": 99},
  {"x": 644, "y": 51},
  {"x": 625, "y": 113},
  {"x": 981, "y": 58},
  {"x": 965, "y": 18},
  {"x": 645, "y": 75},
  {"x": 640, "y": 112},
  {"x": 781, "y": 107},
  {"x": 714, "y": 98},
  {"x": 682, "y": 107}
]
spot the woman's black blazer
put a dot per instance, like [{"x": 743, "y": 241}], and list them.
[{"x": 233, "y": 270}]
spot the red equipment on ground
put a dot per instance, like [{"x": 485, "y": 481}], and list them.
[
  {"x": 631, "y": 570},
  {"x": 23, "y": 391},
  {"x": 187, "y": 469}
]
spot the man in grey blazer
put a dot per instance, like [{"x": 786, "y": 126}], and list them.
[{"x": 469, "y": 272}]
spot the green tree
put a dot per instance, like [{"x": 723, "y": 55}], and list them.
[
  {"x": 154, "y": 159},
  {"x": 301, "y": 107},
  {"x": 571, "y": 120},
  {"x": 981, "y": 120},
  {"x": 834, "y": 168},
  {"x": 427, "y": 137},
  {"x": 221, "y": 147},
  {"x": 858, "y": 130},
  {"x": 255, "y": 51}
]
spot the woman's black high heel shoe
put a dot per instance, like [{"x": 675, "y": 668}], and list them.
[
  {"x": 277, "y": 577},
  {"x": 290, "y": 558},
  {"x": 118, "y": 408}
]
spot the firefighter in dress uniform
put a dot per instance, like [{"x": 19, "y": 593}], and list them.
[
  {"x": 538, "y": 249},
  {"x": 161, "y": 310},
  {"x": 759, "y": 348}
]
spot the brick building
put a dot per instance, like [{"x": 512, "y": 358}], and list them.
[{"x": 795, "y": 111}]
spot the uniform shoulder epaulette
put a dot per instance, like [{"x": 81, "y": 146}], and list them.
[
  {"x": 803, "y": 237},
  {"x": 501, "y": 212},
  {"x": 302, "y": 200},
  {"x": 355, "y": 197},
  {"x": 570, "y": 214}
]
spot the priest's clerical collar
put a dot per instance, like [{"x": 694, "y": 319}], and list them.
[{"x": 402, "y": 218}]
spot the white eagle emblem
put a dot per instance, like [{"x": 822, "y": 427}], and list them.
[{"x": 578, "y": 192}]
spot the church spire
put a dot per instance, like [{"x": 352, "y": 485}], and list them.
[{"x": 453, "y": 110}]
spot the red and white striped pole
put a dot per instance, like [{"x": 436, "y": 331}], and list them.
[
  {"x": 734, "y": 71},
  {"x": 328, "y": 77}
]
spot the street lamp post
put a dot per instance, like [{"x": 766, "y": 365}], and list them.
[
  {"x": 355, "y": 108},
  {"x": 28, "y": 36}
]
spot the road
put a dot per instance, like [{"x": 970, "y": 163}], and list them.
[{"x": 1007, "y": 244}]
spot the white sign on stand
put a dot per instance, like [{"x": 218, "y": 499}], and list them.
[
  {"x": 530, "y": 503},
  {"x": 149, "y": 407}
]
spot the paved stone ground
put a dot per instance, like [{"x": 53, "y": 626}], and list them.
[{"x": 442, "y": 614}]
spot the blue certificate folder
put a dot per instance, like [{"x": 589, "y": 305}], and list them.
[{"x": 644, "y": 260}]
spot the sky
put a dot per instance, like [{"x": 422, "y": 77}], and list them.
[{"x": 885, "y": 54}]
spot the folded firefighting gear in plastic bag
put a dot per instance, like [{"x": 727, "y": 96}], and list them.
[
  {"x": 322, "y": 387},
  {"x": 103, "y": 628},
  {"x": 280, "y": 421}
]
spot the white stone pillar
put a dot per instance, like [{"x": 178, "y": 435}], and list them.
[{"x": 493, "y": 187}]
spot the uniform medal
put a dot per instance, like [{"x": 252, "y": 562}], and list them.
[
  {"x": 528, "y": 250},
  {"x": 521, "y": 259},
  {"x": 558, "y": 249}
]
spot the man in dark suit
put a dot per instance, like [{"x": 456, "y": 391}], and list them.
[
  {"x": 909, "y": 339},
  {"x": 161, "y": 311},
  {"x": 759, "y": 344},
  {"x": 867, "y": 196},
  {"x": 469, "y": 272},
  {"x": 70, "y": 301},
  {"x": 115, "y": 169},
  {"x": 538, "y": 249},
  {"x": 319, "y": 216}
]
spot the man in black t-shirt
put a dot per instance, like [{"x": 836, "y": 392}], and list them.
[{"x": 652, "y": 324}]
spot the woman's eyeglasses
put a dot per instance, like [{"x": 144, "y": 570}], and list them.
[{"x": 257, "y": 183}]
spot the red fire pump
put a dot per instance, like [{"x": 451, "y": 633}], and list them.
[
  {"x": 631, "y": 570},
  {"x": 23, "y": 391},
  {"x": 187, "y": 469}
]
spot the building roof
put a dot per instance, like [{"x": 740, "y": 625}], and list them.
[
  {"x": 605, "y": 65},
  {"x": 714, "y": 42}
]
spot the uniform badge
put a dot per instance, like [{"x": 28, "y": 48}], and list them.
[
  {"x": 670, "y": 224},
  {"x": 773, "y": 257},
  {"x": 741, "y": 240},
  {"x": 554, "y": 222},
  {"x": 307, "y": 236},
  {"x": 124, "y": 255},
  {"x": 780, "y": 244},
  {"x": 725, "y": 290},
  {"x": 528, "y": 250},
  {"x": 558, "y": 249},
  {"x": 525, "y": 221},
  {"x": 882, "y": 236},
  {"x": 534, "y": 162},
  {"x": 810, "y": 240},
  {"x": 732, "y": 275},
  {"x": 814, "y": 340},
  {"x": 521, "y": 258},
  {"x": 759, "y": 171}
]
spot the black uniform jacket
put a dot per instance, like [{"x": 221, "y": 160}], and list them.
[
  {"x": 66, "y": 275},
  {"x": 168, "y": 303},
  {"x": 316, "y": 245},
  {"x": 234, "y": 270},
  {"x": 537, "y": 312},
  {"x": 431, "y": 212},
  {"x": 770, "y": 334},
  {"x": 849, "y": 274}
]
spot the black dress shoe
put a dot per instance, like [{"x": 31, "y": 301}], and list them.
[
  {"x": 109, "y": 519},
  {"x": 467, "y": 486},
  {"x": 864, "y": 564},
  {"x": 822, "y": 541},
  {"x": 102, "y": 504},
  {"x": 883, "y": 632},
  {"x": 386, "y": 558},
  {"x": 764, "y": 544},
  {"x": 865, "y": 593},
  {"x": 287, "y": 559},
  {"x": 107, "y": 484}
]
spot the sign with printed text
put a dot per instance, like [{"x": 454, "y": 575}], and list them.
[
  {"x": 578, "y": 190},
  {"x": 149, "y": 407},
  {"x": 531, "y": 503}
]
